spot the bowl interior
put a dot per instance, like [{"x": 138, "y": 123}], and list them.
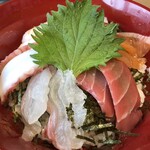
[{"x": 16, "y": 17}]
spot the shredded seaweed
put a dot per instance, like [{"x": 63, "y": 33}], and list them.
[
  {"x": 70, "y": 114},
  {"x": 126, "y": 133},
  {"x": 15, "y": 98},
  {"x": 86, "y": 138},
  {"x": 97, "y": 123},
  {"x": 111, "y": 142},
  {"x": 97, "y": 127},
  {"x": 94, "y": 113},
  {"x": 17, "y": 94},
  {"x": 137, "y": 75},
  {"x": 95, "y": 118}
]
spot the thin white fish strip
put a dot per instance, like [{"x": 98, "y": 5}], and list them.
[
  {"x": 15, "y": 71},
  {"x": 63, "y": 91},
  {"x": 35, "y": 98}
]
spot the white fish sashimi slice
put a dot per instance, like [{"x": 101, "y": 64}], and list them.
[
  {"x": 69, "y": 92},
  {"x": 63, "y": 91},
  {"x": 34, "y": 100},
  {"x": 16, "y": 52},
  {"x": 30, "y": 131},
  {"x": 27, "y": 37},
  {"x": 15, "y": 71}
]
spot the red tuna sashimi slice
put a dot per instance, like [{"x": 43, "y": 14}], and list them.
[
  {"x": 140, "y": 142},
  {"x": 128, "y": 123},
  {"x": 124, "y": 93},
  {"x": 95, "y": 83}
]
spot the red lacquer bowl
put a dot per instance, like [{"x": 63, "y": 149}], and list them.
[{"x": 17, "y": 16}]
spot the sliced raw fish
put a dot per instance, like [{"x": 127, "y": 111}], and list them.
[
  {"x": 140, "y": 142},
  {"x": 30, "y": 131},
  {"x": 17, "y": 70},
  {"x": 35, "y": 98},
  {"x": 94, "y": 82},
  {"x": 15, "y": 53},
  {"x": 136, "y": 46},
  {"x": 140, "y": 42},
  {"x": 63, "y": 92},
  {"x": 131, "y": 120},
  {"x": 125, "y": 95}
]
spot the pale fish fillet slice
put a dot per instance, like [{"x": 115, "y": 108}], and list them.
[
  {"x": 30, "y": 131},
  {"x": 63, "y": 91},
  {"x": 124, "y": 93},
  {"x": 94, "y": 82},
  {"x": 27, "y": 38},
  {"x": 17, "y": 70},
  {"x": 35, "y": 98},
  {"x": 15, "y": 53}
]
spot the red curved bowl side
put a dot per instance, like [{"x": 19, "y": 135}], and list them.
[
  {"x": 17, "y": 16},
  {"x": 131, "y": 16}
]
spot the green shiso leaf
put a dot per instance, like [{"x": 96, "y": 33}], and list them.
[{"x": 76, "y": 38}]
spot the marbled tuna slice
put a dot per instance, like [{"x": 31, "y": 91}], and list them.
[
  {"x": 124, "y": 93},
  {"x": 95, "y": 83}
]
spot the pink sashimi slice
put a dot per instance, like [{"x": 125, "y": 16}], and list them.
[
  {"x": 95, "y": 83},
  {"x": 124, "y": 93}
]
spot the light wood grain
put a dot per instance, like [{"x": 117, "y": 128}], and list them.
[{"x": 143, "y": 2}]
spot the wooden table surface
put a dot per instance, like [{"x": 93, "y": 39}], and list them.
[{"x": 144, "y": 2}]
